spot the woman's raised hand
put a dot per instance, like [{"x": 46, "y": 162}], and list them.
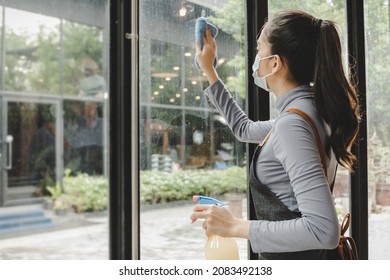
[{"x": 205, "y": 57}]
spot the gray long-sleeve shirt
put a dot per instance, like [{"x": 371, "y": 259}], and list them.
[{"x": 290, "y": 166}]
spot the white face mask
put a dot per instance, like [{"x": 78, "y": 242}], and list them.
[{"x": 260, "y": 81}]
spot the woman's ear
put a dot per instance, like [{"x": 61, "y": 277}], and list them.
[{"x": 278, "y": 64}]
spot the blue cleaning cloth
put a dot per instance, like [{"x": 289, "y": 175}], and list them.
[{"x": 200, "y": 29}]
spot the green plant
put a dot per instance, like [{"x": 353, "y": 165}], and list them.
[
  {"x": 59, "y": 199},
  {"x": 61, "y": 203},
  {"x": 55, "y": 191},
  {"x": 86, "y": 193},
  {"x": 159, "y": 186}
]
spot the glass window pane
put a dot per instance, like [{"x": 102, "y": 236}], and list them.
[
  {"x": 185, "y": 146},
  {"x": 53, "y": 130},
  {"x": 378, "y": 129}
]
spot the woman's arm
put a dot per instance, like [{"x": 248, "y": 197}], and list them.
[{"x": 242, "y": 127}]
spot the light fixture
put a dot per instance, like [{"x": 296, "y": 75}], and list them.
[{"x": 185, "y": 9}]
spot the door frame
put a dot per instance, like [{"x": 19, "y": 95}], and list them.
[{"x": 5, "y": 99}]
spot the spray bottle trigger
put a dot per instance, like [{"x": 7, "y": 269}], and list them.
[{"x": 206, "y": 200}]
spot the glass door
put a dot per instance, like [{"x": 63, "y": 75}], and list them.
[{"x": 30, "y": 149}]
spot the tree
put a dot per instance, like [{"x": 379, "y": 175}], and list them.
[{"x": 33, "y": 61}]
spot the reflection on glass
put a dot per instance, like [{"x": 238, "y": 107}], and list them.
[
  {"x": 53, "y": 131},
  {"x": 83, "y": 130},
  {"x": 33, "y": 157},
  {"x": 378, "y": 129},
  {"x": 83, "y": 57},
  {"x": 30, "y": 68},
  {"x": 186, "y": 148}
]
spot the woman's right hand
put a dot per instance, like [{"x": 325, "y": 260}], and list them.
[
  {"x": 205, "y": 57},
  {"x": 220, "y": 221}
]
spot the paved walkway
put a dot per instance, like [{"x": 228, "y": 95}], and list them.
[{"x": 166, "y": 233}]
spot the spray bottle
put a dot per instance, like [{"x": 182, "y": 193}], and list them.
[{"x": 217, "y": 247}]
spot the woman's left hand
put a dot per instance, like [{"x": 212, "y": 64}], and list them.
[{"x": 220, "y": 221}]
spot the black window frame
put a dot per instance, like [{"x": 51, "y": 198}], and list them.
[{"x": 123, "y": 103}]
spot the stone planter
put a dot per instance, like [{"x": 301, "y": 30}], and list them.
[{"x": 61, "y": 211}]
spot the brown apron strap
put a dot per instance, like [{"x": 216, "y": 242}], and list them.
[
  {"x": 317, "y": 135},
  {"x": 265, "y": 138}
]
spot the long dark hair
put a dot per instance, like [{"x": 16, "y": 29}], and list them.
[{"x": 311, "y": 49}]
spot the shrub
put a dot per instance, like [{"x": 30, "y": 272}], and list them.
[
  {"x": 87, "y": 193},
  {"x": 159, "y": 186}
]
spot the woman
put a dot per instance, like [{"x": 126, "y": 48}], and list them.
[{"x": 299, "y": 59}]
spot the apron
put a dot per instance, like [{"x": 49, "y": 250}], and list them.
[{"x": 268, "y": 207}]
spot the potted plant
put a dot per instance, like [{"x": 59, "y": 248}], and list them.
[{"x": 59, "y": 199}]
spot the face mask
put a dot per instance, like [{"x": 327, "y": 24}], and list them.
[{"x": 260, "y": 81}]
